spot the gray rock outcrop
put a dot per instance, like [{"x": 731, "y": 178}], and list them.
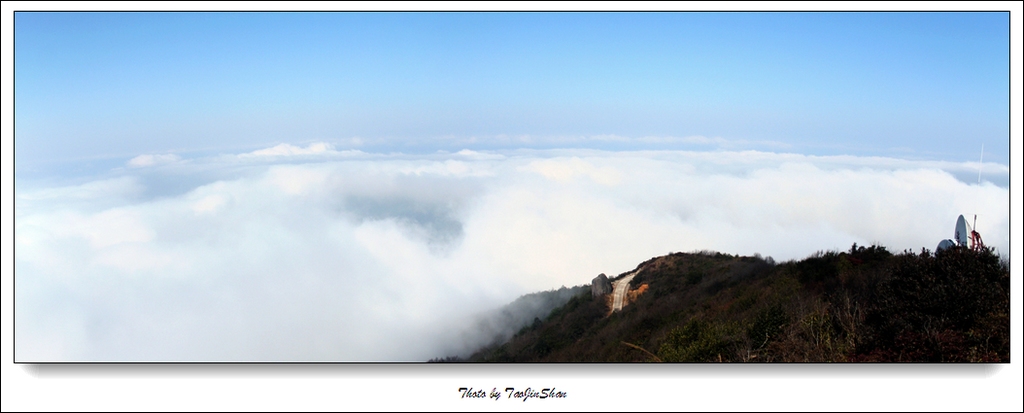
[{"x": 600, "y": 286}]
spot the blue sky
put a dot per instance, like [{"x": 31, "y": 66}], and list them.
[{"x": 100, "y": 88}]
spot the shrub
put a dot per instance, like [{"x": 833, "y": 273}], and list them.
[
  {"x": 818, "y": 268},
  {"x": 699, "y": 341},
  {"x": 767, "y": 326},
  {"x": 944, "y": 307}
]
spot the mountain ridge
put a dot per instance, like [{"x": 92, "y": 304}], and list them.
[{"x": 865, "y": 304}]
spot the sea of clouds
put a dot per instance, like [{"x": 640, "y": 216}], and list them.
[{"x": 295, "y": 253}]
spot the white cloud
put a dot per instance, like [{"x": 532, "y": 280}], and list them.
[
  {"x": 295, "y": 180},
  {"x": 111, "y": 227},
  {"x": 143, "y": 161},
  {"x": 284, "y": 149},
  {"x": 479, "y": 155},
  {"x": 209, "y": 204},
  {"x": 693, "y": 140},
  {"x": 566, "y": 171},
  {"x": 384, "y": 258}
]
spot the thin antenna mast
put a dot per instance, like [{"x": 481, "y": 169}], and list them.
[
  {"x": 976, "y": 243},
  {"x": 981, "y": 162}
]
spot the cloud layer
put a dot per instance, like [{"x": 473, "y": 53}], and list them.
[{"x": 350, "y": 256}]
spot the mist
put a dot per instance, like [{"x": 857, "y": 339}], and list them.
[{"x": 315, "y": 254}]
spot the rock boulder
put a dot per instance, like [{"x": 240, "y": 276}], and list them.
[{"x": 600, "y": 286}]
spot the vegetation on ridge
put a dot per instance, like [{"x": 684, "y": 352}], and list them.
[{"x": 865, "y": 304}]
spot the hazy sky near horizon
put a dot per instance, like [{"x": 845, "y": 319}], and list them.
[
  {"x": 359, "y": 186},
  {"x": 99, "y": 88}
]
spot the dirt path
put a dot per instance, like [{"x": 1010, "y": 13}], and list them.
[{"x": 619, "y": 289}]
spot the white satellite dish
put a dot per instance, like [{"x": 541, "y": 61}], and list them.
[
  {"x": 960, "y": 235},
  {"x": 944, "y": 244}
]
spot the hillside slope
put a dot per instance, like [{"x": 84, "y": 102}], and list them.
[{"x": 865, "y": 304}]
